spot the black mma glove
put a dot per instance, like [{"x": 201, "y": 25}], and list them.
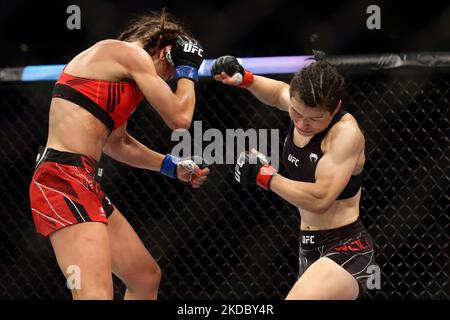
[
  {"x": 230, "y": 65},
  {"x": 254, "y": 169},
  {"x": 186, "y": 55}
]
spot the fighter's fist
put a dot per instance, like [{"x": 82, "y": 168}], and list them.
[
  {"x": 187, "y": 56},
  {"x": 228, "y": 70},
  {"x": 191, "y": 172},
  {"x": 254, "y": 168}
]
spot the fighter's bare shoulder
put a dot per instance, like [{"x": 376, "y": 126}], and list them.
[{"x": 346, "y": 131}]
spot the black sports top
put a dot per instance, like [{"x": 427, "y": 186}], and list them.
[{"x": 301, "y": 163}]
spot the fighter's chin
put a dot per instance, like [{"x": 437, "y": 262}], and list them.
[{"x": 305, "y": 133}]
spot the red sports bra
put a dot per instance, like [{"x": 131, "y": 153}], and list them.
[{"x": 110, "y": 102}]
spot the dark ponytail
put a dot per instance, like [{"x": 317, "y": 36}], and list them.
[{"x": 154, "y": 29}]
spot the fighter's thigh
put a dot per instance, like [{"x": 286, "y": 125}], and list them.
[
  {"x": 85, "y": 246},
  {"x": 130, "y": 258},
  {"x": 325, "y": 280}
]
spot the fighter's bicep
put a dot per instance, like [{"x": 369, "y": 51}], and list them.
[
  {"x": 284, "y": 98},
  {"x": 155, "y": 89},
  {"x": 337, "y": 165},
  {"x": 139, "y": 66}
]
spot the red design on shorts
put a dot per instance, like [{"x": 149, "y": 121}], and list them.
[
  {"x": 356, "y": 245},
  {"x": 63, "y": 195}
]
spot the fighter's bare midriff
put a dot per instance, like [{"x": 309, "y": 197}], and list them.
[
  {"x": 341, "y": 213},
  {"x": 74, "y": 129}
]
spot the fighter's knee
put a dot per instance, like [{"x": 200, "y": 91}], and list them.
[
  {"x": 154, "y": 273},
  {"x": 147, "y": 277}
]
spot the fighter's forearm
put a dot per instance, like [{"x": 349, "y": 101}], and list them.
[
  {"x": 130, "y": 151},
  {"x": 304, "y": 195}
]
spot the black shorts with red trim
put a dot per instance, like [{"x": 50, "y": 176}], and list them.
[
  {"x": 349, "y": 246},
  {"x": 65, "y": 190}
]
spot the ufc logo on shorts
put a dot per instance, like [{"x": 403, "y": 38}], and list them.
[
  {"x": 308, "y": 239},
  {"x": 192, "y": 48},
  {"x": 293, "y": 159}
]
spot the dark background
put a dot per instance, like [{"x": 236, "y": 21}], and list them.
[
  {"x": 34, "y": 32},
  {"x": 226, "y": 241}
]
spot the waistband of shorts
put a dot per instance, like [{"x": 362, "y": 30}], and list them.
[
  {"x": 313, "y": 239},
  {"x": 66, "y": 158}
]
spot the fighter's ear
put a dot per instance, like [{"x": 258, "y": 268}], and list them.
[{"x": 162, "y": 54}]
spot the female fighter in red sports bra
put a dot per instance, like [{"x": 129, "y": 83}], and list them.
[{"x": 92, "y": 101}]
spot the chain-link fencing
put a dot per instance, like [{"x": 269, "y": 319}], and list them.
[{"x": 225, "y": 241}]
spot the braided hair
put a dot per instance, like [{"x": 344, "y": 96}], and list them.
[
  {"x": 318, "y": 84},
  {"x": 155, "y": 30}
]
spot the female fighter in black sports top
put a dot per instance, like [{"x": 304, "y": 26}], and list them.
[{"x": 324, "y": 157}]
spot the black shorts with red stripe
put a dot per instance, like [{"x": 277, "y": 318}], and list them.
[
  {"x": 65, "y": 190},
  {"x": 349, "y": 246}
]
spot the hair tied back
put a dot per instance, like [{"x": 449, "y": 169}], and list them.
[{"x": 319, "y": 55}]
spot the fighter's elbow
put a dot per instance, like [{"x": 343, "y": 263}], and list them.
[
  {"x": 321, "y": 202},
  {"x": 110, "y": 149},
  {"x": 322, "y": 205},
  {"x": 180, "y": 122}
]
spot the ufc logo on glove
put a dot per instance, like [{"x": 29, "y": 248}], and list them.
[{"x": 192, "y": 48}]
